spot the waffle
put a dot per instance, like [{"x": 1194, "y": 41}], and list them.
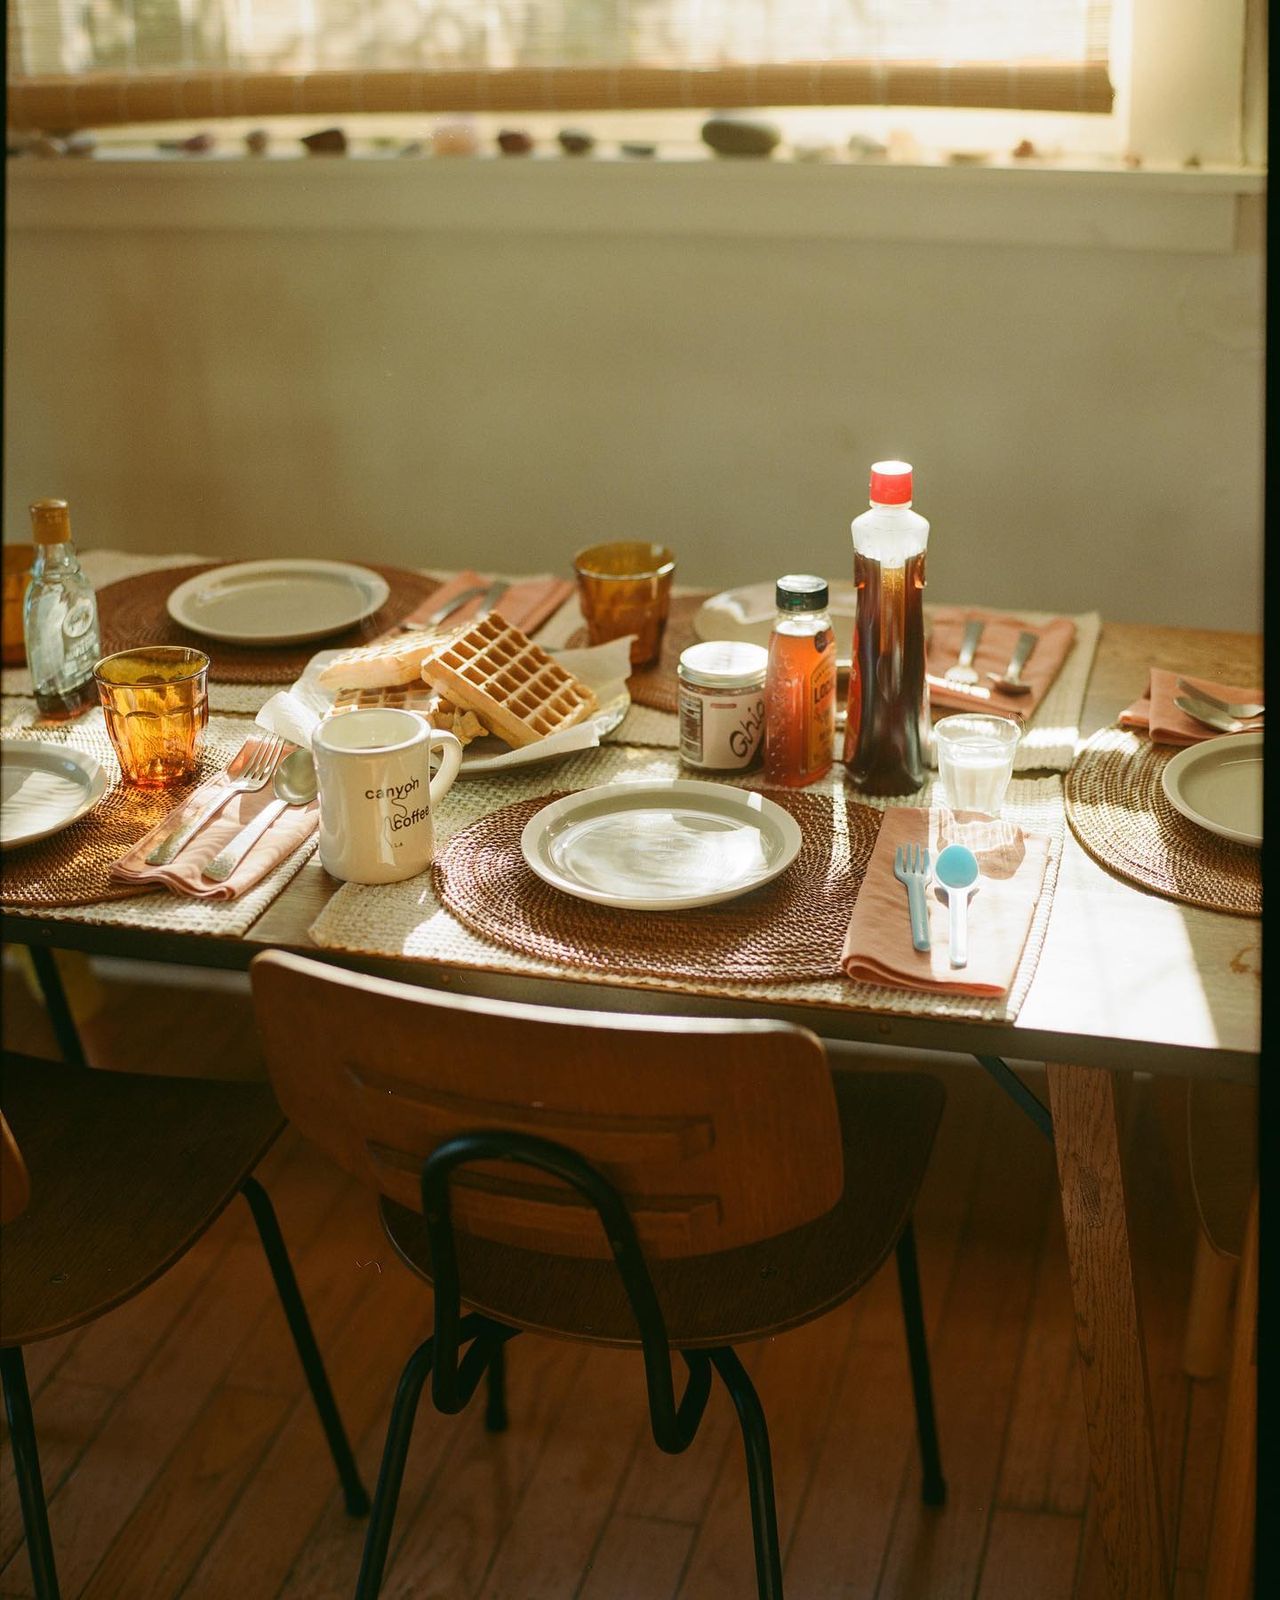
[
  {"x": 439, "y": 711},
  {"x": 510, "y": 683},
  {"x": 384, "y": 665}
]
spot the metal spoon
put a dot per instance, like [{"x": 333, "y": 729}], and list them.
[
  {"x": 294, "y": 784},
  {"x": 956, "y": 871},
  {"x": 1214, "y": 719},
  {"x": 1012, "y": 682},
  {"x": 963, "y": 670},
  {"x": 1243, "y": 711}
]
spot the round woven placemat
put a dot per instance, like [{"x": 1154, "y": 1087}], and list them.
[
  {"x": 1118, "y": 811},
  {"x": 132, "y": 612},
  {"x": 656, "y": 686},
  {"x": 791, "y": 930},
  {"x": 73, "y": 868}
]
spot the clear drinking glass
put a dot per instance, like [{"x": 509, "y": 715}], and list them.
[
  {"x": 975, "y": 759},
  {"x": 625, "y": 587},
  {"x": 156, "y": 703}
]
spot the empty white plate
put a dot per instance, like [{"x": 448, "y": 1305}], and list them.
[
  {"x": 277, "y": 602},
  {"x": 44, "y": 788},
  {"x": 1218, "y": 784},
  {"x": 748, "y": 614},
  {"x": 660, "y": 845}
]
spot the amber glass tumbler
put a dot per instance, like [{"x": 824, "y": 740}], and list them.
[
  {"x": 626, "y": 588},
  {"x": 18, "y": 559},
  {"x": 156, "y": 702}
]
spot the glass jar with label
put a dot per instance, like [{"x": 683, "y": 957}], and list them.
[{"x": 721, "y": 704}]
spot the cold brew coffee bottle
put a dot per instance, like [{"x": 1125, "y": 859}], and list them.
[{"x": 886, "y": 737}]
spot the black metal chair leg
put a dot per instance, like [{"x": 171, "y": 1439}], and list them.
[
  {"x": 26, "y": 1466},
  {"x": 264, "y": 1214},
  {"x": 755, "y": 1438},
  {"x": 391, "y": 1474},
  {"x": 57, "y": 1005},
  {"x": 934, "y": 1488},
  {"x": 495, "y": 1406}
]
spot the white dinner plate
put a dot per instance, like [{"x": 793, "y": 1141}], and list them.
[
  {"x": 44, "y": 788},
  {"x": 1218, "y": 784},
  {"x": 660, "y": 845},
  {"x": 748, "y": 614},
  {"x": 277, "y": 602}
]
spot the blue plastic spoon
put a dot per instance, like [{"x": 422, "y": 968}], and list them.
[{"x": 956, "y": 870}]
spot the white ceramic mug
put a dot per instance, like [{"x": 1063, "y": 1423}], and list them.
[{"x": 377, "y": 792}]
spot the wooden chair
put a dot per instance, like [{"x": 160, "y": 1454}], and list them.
[
  {"x": 658, "y": 1183},
  {"x": 106, "y": 1179}
]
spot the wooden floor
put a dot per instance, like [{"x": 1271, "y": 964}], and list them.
[{"x": 182, "y": 1458}]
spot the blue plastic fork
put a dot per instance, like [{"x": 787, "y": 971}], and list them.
[{"x": 911, "y": 868}]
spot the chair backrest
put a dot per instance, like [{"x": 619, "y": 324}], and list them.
[
  {"x": 716, "y": 1133},
  {"x": 15, "y": 1185}
]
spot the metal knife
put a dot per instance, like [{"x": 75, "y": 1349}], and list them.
[
  {"x": 436, "y": 617},
  {"x": 493, "y": 594}
]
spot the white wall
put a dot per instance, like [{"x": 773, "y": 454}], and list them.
[{"x": 1084, "y": 417}]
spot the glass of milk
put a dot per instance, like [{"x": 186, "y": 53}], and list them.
[{"x": 975, "y": 759}]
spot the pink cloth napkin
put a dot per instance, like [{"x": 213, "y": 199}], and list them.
[
  {"x": 182, "y": 875},
  {"x": 526, "y": 605},
  {"x": 1157, "y": 715},
  {"x": 1053, "y": 645},
  {"x": 878, "y": 948}
]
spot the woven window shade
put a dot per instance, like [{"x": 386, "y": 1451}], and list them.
[{"x": 109, "y": 62}]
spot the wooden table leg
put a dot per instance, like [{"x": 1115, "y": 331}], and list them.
[{"x": 1113, "y": 1359}]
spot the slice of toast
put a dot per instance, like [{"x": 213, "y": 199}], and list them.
[
  {"x": 383, "y": 665},
  {"x": 515, "y": 688}
]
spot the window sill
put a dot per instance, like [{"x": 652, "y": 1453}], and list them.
[{"x": 1211, "y": 211}]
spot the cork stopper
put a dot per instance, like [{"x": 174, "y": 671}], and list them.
[{"x": 50, "y": 521}]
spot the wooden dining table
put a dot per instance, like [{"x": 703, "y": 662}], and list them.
[{"x": 1127, "y": 982}]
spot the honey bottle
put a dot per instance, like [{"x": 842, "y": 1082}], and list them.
[{"x": 800, "y": 685}]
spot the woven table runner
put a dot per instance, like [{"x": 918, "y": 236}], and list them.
[
  {"x": 1118, "y": 810},
  {"x": 787, "y": 931},
  {"x": 133, "y": 612},
  {"x": 1048, "y": 743},
  {"x": 69, "y": 873},
  {"x": 409, "y": 921}
]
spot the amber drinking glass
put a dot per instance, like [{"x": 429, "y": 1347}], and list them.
[
  {"x": 18, "y": 559},
  {"x": 623, "y": 588},
  {"x": 156, "y": 702}
]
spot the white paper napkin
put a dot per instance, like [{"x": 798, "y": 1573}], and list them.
[{"x": 296, "y": 712}]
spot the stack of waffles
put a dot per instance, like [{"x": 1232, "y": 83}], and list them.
[{"x": 485, "y": 677}]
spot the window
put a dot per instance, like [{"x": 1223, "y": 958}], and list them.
[
  {"x": 1174, "y": 79},
  {"x": 133, "y": 60}
]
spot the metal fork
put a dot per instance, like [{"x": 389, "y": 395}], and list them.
[
  {"x": 911, "y": 868},
  {"x": 250, "y": 769},
  {"x": 1242, "y": 710}
]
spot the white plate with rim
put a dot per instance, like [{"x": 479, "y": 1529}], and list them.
[
  {"x": 660, "y": 845},
  {"x": 44, "y": 788},
  {"x": 277, "y": 602},
  {"x": 748, "y": 614},
  {"x": 1217, "y": 784}
]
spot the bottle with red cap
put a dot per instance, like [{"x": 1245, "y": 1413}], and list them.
[{"x": 886, "y": 740}]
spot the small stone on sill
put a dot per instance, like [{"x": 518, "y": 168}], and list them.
[
  {"x": 730, "y": 135},
  {"x": 576, "y": 141},
  {"x": 327, "y": 142}
]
